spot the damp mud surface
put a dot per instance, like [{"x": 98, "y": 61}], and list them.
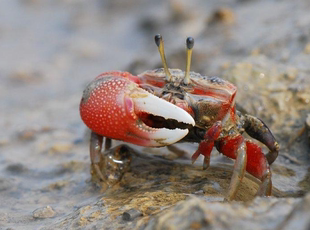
[{"x": 50, "y": 50}]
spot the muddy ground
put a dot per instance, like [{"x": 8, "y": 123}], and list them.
[{"x": 50, "y": 50}]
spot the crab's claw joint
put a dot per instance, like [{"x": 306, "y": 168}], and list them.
[{"x": 114, "y": 106}]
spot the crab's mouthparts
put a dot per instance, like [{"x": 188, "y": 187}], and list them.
[{"x": 159, "y": 122}]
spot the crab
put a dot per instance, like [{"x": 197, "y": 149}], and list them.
[{"x": 163, "y": 106}]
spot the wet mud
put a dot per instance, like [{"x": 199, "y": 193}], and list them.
[{"x": 50, "y": 50}]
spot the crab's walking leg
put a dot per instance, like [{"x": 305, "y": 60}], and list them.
[
  {"x": 107, "y": 143},
  {"x": 258, "y": 166},
  {"x": 177, "y": 151},
  {"x": 235, "y": 148},
  {"x": 206, "y": 145},
  {"x": 257, "y": 129},
  {"x": 239, "y": 171},
  {"x": 249, "y": 156},
  {"x": 95, "y": 147},
  {"x": 95, "y": 152}
]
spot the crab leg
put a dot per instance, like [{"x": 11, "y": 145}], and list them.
[
  {"x": 239, "y": 171},
  {"x": 257, "y": 129},
  {"x": 205, "y": 147},
  {"x": 259, "y": 167},
  {"x": 95, "y": 153},
  {"x": 116, "y": 163},
  {"x": 249, "y": 156},
  {"x": 116, "y": 160},
  {"x": 114, "y": 106}
]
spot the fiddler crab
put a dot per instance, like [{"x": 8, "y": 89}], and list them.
[{"x": 163, "y": 106}]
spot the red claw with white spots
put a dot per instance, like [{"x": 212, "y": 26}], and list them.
[
  {"x": 113, "y": 106},
  {"x": 163, "y": 106}
]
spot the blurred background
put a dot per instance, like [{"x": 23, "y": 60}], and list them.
[{"x": 50, "y": 50}]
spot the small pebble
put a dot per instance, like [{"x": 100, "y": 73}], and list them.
[
  {"x": 223, "y": 15},
  {"x": 42, "y": 213},
  {"x": 303, "y": 97},
  {"x": 27, "y": 135},
  {"x": 58, "y": 185},
  {"x": 26, "y": 76},
  {"x": 16, "y": 168},
  {"x": 179, "y": 11},
  {"x": 291, "y": 73},
  {"x": 61, "y": 148},
  {"x": 131, "y": 214},
  {"x": 46, "y": 129}
]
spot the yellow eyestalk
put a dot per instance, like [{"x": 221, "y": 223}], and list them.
[
  {"x": 189, "y": 50},
  {"x": 160, "y": 44}
]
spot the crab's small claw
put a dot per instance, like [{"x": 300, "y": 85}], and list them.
[{"x": 114, "y": 106}]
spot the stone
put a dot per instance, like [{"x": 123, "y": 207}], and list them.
[{"x": 45, "y": 212}]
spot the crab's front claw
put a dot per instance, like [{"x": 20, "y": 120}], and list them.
[{"x": 114, "y": 106}]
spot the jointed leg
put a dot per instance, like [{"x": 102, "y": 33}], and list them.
[
  {"x": 235, "y": 148},
  {"x": 107, "y": 144},
  {"x": 258, "y": 166},
  {"x": 177, "y": 151},
  {"x": 257, "y": 129},
  {"x": 239, "y": 171},
  {"x": 116, "y": 162},
  {"x": 206, "y": 146},
  {"x": 95, "y": 152},
  {"x": 249, "y": 157}
]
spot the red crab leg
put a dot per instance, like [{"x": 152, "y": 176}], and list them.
[
  {"x": 257, "y": 129},
  {"x": 249, "y": 156},
  {"x": 205, "y": 147},
  {"x": 114, "y": 106}
]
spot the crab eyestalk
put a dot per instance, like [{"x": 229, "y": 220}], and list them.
[
  {"x": 160, "y": 44},
  {"x": 189, "y": 51}
]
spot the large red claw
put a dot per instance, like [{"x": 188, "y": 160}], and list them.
[{"x": 114, "y": 106}]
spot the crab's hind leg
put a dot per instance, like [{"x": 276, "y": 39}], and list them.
[
  {"x": 235, "y": 148},
  {"x": 258, "y": 166},
  {"x": 257, "y": 129},
  {"x": 249, "y": 157},
  {"x": 95, "y": 152}
]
